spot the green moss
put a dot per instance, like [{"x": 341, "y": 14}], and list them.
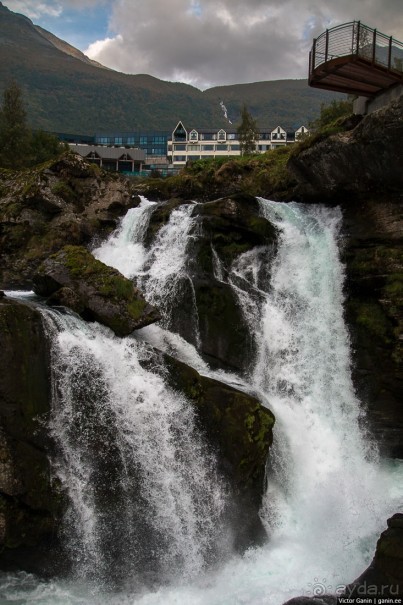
[
  {"x": 136, "y": 308},
  {"x": 394, "y": 286},
  {"x": 106, "y": 280},
  {"x": 370, "y": 316},
  {"x": 63, "y": 190}
]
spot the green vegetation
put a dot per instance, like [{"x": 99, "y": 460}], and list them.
[
  {"x": 248, "y": 133},
  {"x": 106, "y": 280},
  {"x": 19, "y": 146},
  {"x": 331, "y": 114},
  {"x": 334, "y": 118},
  {"x": 260, "y": 174}
]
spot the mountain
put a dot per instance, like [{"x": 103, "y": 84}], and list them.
[{"x": 65, "y": 91}]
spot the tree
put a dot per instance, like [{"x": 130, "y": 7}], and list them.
[
  {"x": 45, "y": 146},
  {"x": 19, "y": 146},
  {"x": 332, "y": 112},
  {"x": 14, "y": 132},
  {"x": 248, "y": 132}
]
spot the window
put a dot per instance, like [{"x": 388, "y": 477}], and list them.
[
  {"x": 232, "y": 136},
  {"x": 143, "y": 141},
  {"x": 193, "y": 147},
  {"x": 234, "y": 148},
  {"x": 130, "y": 140},
  {"x": 180, "y": 147},
  {"x": 158, "y": 140},
  {"x": 207, "y": 147},
  {"x": 193, "y": 157},
  {"x": 103, "y": 140},
  {"x": 179, "y": 158},
  {"x": 193, "y": 136},
  {"x": 118, "y": 140},
  {"x": 221, "y": 147},
  {"x": 180, "y": 133},
  {"x": 222, "y": 135}
]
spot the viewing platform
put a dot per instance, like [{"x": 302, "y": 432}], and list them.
[{"x": 355, "y": 59}]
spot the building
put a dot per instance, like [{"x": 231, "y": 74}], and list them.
[
  {"x": 198, "y": 143},
  {"x": 116, "y": 159},
  {"x": 154, "y": 145}
]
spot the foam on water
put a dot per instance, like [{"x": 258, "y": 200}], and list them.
[
  {"x": 328, "y": 495},
  {"x": 124, "y": 250}
]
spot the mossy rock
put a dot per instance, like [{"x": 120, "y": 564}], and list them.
[
  {"x": 235, "y": 422},
  {"x": 160, "y": 217},
  {"x": 232, "y": 225},
  {"x": 101, "y": 293}
]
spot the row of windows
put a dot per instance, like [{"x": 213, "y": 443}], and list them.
[
  {"x": 274, "y": 136},
  {"x": 217, "y": 147}
]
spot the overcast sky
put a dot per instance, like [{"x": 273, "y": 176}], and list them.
[{"x": 205, "y": 42}]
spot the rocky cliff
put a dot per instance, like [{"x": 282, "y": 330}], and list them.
[
  {"x": 66, "y": 201},
  {"x": 363, "y": 160}
]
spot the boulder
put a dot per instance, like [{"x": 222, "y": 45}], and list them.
[
  {"x": 30, "y": 503},
  {"x": 385, "y": 574},
  {"x": 239, "y": 428},
  {"x": 42, "y": 209},
  {"x": 365, "y": 159},
  {"x": 73, "y": 277},
  {"x": 223, "y": 230}
]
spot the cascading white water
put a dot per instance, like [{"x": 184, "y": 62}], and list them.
[
  {"x": 328, "y": 495},
  {"x": 145, "y": 496},
  {"x": 164, "y": 270},
  {"x": 124, "y": 250}
]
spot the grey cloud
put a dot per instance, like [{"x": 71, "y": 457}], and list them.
[{"x": 210, "y": 42}]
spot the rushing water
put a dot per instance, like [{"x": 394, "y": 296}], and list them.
[{"x": 328, "y": 495}]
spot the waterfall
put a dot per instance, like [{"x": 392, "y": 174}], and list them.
[
  {"x": 145, "y": 498},
  {"x": 328, "y": 495},
  {"x": 124, "y": 250}
]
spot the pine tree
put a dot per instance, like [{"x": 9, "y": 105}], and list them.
[
  {"x": 15, "y": 136},
  {"x": 248, "y": 132}
]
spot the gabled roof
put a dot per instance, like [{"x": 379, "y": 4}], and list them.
[{"x": 110, "y": 153}]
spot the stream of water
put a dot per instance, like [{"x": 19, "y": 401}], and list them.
[{"x": 328, "y": 494}]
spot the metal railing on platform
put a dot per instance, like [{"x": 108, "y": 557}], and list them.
[{"x": 356, "y": 39}]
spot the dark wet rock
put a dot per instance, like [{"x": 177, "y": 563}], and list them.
[
  {"x": 373, "y": 252},
  {"x": 322, "y": 600},
  {"x": 361, "y": 161},
  {"x": 224, "y": 229},
  {"x": 239, "y": 429},
  {"x": 30, "y": 503},
  {"x": 73, "y": 277},
  {"x": 229, "y": 227},
  {"x": 161, "y": 216},
  {"x": 384, "y": 577}
]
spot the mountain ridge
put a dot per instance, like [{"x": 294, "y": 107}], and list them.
[{"x": 65, "y": 91}]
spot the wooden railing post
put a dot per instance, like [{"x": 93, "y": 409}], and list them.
[{"x": 390, "y": 53}]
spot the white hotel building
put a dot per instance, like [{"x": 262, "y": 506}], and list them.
[{"x": 199, "y": 143}]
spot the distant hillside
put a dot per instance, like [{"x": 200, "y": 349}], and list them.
[
  {"x": 67, "y": 92},
  {"x": 289, "y": 103}
]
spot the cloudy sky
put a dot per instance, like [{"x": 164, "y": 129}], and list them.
[{"x": 205, "y": 42}]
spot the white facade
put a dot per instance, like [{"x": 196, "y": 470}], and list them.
[{"x": 196, "y": 144}]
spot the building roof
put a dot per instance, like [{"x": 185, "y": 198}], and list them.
[{"x": 111, "y": 153}]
